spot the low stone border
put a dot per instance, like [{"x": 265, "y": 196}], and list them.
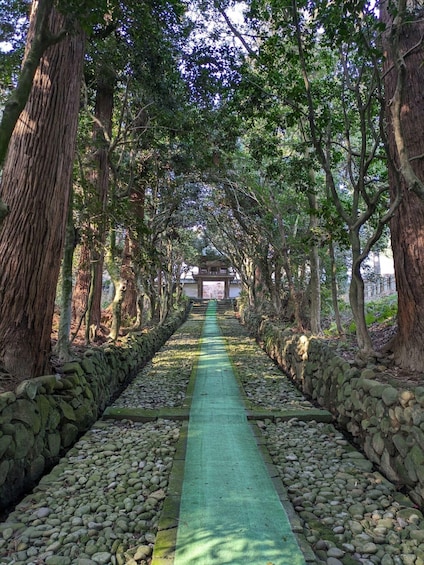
[
  {"x": 386, "y": 422},
  {"x": 166, "y": 537},
  {"x": 44, "y": 416}
]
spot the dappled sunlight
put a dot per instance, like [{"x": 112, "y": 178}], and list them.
[
  {"x": 230, "y": 511},
  {"x": 265, "y": 385},
  {"x": 26, "y": 122},
  {"x": 226, "y": 543},
  {"x": 164, "y": 379},
  {"x": 276, "y": 378}
]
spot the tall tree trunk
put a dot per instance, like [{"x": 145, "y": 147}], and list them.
[
  {"x": 140, "y": 311},
  {"x": 404, "y": 77},
  {"x": 258, "y": 287},
  {"x": 103, "y": 113},
  {"x": 39, "y": 41},
  {"x": 94, "y": 312},
  {"x": 334, "y": 289},
  {"x": 89, "y": 283},
  {"x": 276, "y": 294},
  {"x": 129, "y": 303},
  {"x": 139, "y": 295},
  {"x": 357, "y": 298},
  {"x": 89, "y": 329},
  {"x": 169, "y": 282},
  {"x": 119, "y": 286},
  {"x": 152, "y": 295},
  {"x": 249, "y": 280},
  {"x": 35, "y": 186},
  {"x": 162, "y": 297},
  {"x": 132, "y": 300},
  {"x": 285, "y": 258},
  {"x": 63, "y": 339},
  {"x": 314, "y": 258},
  {"x": 82, "y": 286},
  {"x": 315, "y": 286}
]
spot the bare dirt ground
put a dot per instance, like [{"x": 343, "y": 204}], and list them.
[
  {"x": 389, "y": 373},
  {"x": 9, "y": 382}
]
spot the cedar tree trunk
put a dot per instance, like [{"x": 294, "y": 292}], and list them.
[
  {"x": 128, "y": 274},
  {"x": 35, "y": 186},
  {"x": 314, "y": 285},
  {"x": 88, "y": 285},
  {"x": 81, "y": 287},
  {"x": 62, "y": 348},
  {"x": 404, "y": 79},
  {"x": 102, "y": 132},
  {"x": 119, "y": 286},
  {"x": 131, "y": 303},
  {"x": 40, "y": 40}
]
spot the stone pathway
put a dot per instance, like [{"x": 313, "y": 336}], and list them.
[
  {"x": 230, "y": 511},
  {"x": 114, "y": 498}
]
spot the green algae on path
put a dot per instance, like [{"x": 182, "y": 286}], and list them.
[{"x": 230, "y": 511}]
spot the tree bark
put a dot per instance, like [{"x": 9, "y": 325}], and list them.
[
  {"x": 357, "y": 296},
  {"x": 88, "y": 286},
  {"x": 334, "y": 288},
  {"x": 314, "y": 285},
  {"x": 285, "y": 259},
  {"x": 103, "y": 113},
  {"x": 276, "y": 287},
  {"x": 404, "y": 77},
  {"x": 129, "y": 303},
  {"x": 132, "y": 300},
  {"x": 119, "y": 285},
  {"x": 82, "y": 286},
  {"x": 62, "y": 348},
  {"x": 35, "y": 186},
  {"x": 38, "y": 40}
]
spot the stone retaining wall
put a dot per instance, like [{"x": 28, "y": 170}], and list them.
[
  {"x": 44, "y": 416},
  {"x": 385, "y": 421}
]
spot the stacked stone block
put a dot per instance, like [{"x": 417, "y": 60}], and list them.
[
  {"x": 385, "y": 421},
  {"x": 44, "y": 416}
]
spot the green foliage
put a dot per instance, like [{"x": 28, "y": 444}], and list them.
[
  {"x": 92, "y": 15},
  {"x": 380, "y": 311},
  {"x": 207, "y": 130},
  {"x": 13, "y": 27},
  {"x": 13, "y": 21}
]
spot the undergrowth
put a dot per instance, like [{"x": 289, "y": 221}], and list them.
[{"x": 380, "y": 311}]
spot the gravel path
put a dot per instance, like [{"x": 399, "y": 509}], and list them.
[
  {"x": 163, "y": 381},
  {"x": 102, "y": 503},
  {"x": 350, "y": 513}
]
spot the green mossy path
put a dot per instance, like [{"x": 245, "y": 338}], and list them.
[{"x": 230, "y": 511}]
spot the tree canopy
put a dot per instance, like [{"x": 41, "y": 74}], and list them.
[{"x": 262, "y": 125}]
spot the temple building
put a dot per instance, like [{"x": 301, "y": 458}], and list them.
[{"x": 213, "y": 278}]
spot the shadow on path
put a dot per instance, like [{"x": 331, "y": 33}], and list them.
[{"x": 230, "y": 512}]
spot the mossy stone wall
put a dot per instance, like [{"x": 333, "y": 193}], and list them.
[
  {"x": 387, "y": 422},
  {"x": 44, "y": 416}
]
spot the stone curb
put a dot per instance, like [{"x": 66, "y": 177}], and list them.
[
  {"x": 305, "y": 415},
  {"x": 294, "y": 520},
  {"x": 166, "y": 537}
]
